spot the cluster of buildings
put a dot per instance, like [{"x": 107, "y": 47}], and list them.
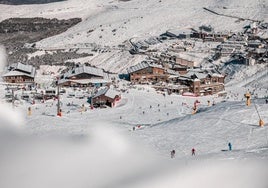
[
  {"x": 251, "y": 44},
  {"x": 81, "y": 76},
  {"x": 205, "y": 32},
  {"x": 20, "y": 73},
  {"x": 196, "y": 82},
  {"x": 174, "y": 74},
  {"x": 164, "y": 71},
  {"x": 175, "y": 79}
]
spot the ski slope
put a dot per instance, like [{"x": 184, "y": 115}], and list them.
[
  {"x": 99, "y": 149},
  {"x": 84, "y": 149}
]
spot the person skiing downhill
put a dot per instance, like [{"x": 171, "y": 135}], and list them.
[{"x": 193, "y": 151}]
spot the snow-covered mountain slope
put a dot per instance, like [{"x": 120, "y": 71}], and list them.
[
  {"x": 113, "y": 22},
  {"x": 246, "y": 76}
]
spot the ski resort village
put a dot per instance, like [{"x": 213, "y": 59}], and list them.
[{"x": 134, "y": 94}]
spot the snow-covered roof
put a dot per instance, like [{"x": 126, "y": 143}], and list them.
[
  {"x": 96, "y": 81},
  {"x": 99, "y": 75},
  {"x": 84, "y": 81},
  {"x": 172, "y": 72},
  {"x": 178, "y": 32},
  {"x": 25, "y": 68},
  {"x": 260, "y": 50},
  {"x": 85, "y": 69},
  {"x": 15, "y": 73},
  {"x": 142, "y": 65},
  {"x": 217, "y": 75},
  {"x": 107, "y": 92},
  {"x": 20, "y": 69},
  {"x": 111, "y": 93},
  {"x": 192, "y": 74},
  {"x": 201, "y": 75},
  {"x": 101, "y": 91}
]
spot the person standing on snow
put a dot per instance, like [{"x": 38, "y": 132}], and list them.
[
  {"x": 172, "y": 154},
  {"x": 230, "y": 146},
  {"x": 193, "y": 151}
]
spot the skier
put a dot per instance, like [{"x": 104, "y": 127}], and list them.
[
  {"x": 172, "y": 154},
  {"x": 193, "y": 151},
  {"x": 230, "y": 146}
]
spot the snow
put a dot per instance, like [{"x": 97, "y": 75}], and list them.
[
  {"x": 16, "y": 73},
  {"x": 52, "y": 151},
  {"x": 98, "y": 148},
  {"x": 39, "y": 53},
  {"x": 130, "y": 19}
]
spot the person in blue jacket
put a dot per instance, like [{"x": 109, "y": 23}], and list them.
[{"x": 230, "y": 146}]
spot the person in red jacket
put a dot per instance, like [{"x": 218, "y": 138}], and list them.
[{"x": 193, "y": 151}]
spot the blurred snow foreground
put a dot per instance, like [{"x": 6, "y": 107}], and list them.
[{"x": 106, "y": 158}]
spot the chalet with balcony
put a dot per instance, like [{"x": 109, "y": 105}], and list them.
[
  {"x": 146, "y": 72},
  {"x": 202, "y": 83},
  {"x": 105, "y": 96},
  {"x": 182, "y": 70},
  {"x": 84, "y": 76},
  {"x": 20, "y": 74},
  {"x": 184, "y": 62}
]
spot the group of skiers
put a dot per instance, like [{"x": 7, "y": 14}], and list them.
[{"x": 172, "y": 152}]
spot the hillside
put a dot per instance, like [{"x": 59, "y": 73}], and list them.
[
  {"x": 137, "y": 18},
  {"x": 103, "y": 37}
]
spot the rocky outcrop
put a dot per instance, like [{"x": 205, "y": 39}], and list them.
[
  {"x": 54, "y": 26},
  {"x": 16, "y": 32}
]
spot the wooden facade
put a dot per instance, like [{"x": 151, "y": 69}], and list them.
[
  {"x": 182, "y": 70},
  {"x": 184, "y": 62},
  {"x": 105, "y": 96},
  {"x": 209, "y": 85},
  {"x": 18, "y": 79},
  {"x": 20, "y": 74},
  {"x": 84, "y": 76},
  {"x": 148, "y": 75},
  {"x": 105, "y": 100}
]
